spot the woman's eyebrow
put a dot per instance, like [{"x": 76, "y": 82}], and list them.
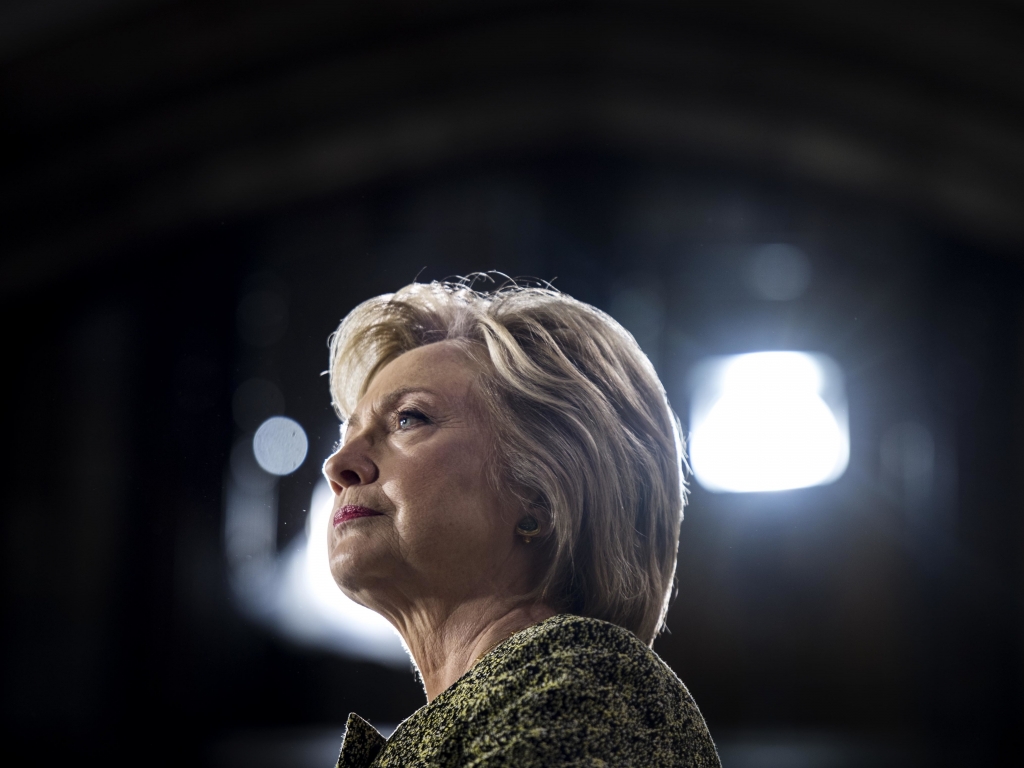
[{"x": 389, "y": 401}]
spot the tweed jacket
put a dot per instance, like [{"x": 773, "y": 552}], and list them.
[{"x": 569, "y": 691}]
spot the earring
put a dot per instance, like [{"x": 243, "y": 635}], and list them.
[{"x": 528, "y": 528}]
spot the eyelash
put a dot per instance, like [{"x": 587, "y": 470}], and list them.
[{"x": 409, "y": 413}]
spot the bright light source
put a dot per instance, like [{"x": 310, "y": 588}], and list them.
[
  {"x": 280, "y": 445},
  {"x": 768, "y": 421}
]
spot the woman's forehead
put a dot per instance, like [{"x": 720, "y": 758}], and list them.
[
  {"x": 442, "y": 370},
  {"x": 440, "y": 362}
]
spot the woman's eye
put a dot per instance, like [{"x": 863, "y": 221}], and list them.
[{"x": 410, "y": 418}]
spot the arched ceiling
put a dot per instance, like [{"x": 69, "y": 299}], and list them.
[{"x": 141, "y": 117}]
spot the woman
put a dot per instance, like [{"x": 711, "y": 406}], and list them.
[{"x": 508, "y": 493}]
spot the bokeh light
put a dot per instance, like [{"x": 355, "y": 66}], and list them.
[
  {"x": 768, "y": 421},
  {"x": 908, "y": 462},
  {"x": 280, "y": 445}
]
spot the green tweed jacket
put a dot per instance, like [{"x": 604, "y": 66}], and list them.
[{"x": 569, "y": 691}]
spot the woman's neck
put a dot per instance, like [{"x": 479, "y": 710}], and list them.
[{"x": 445, "y": 647}]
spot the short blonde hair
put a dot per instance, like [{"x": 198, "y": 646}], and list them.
[{"x": 584, "y": 431}]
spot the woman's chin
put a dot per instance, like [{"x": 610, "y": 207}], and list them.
[
  {"x": 344, "y": 571},
  {"x": 358, "y": 595},
  {"x": 350, "y": 572}
]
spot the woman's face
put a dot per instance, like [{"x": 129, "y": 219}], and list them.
[{"x": 416, "y": 522}]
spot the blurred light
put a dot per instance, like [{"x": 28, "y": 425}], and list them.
[
  {"x": 254, "y": 401},
  {"x": 779, "y": 272},
  {"x": 280, "y": 445},
  {"x": 908, "y": 461},
  {"x": 250, "y": 527},
  {"x": 768, "y": 421},
  {"x": 312, "y": 609},
  {"x": 246, "y": 472}
]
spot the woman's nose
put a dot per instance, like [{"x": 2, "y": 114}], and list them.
[{"x": 348, "y": 466}]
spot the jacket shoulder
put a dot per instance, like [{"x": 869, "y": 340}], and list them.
[
  {"x": 574, "y": 688},
  {"x": 568, "y": 691}
]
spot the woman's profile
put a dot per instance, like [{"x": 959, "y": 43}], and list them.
[{"x": 508, "y": 494}]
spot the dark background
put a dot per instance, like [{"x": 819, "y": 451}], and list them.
[{"x": 164, "y": 160}]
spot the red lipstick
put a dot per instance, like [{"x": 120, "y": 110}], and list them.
[{"x": 351, "y": 512}]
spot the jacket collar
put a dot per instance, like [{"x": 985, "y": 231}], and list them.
[{"x": 361, "y": 744}]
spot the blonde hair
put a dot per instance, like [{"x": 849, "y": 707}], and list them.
[{"x": 584, "y": 431}]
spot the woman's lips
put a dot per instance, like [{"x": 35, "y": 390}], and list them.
[{"x": 351, "y": 512}]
